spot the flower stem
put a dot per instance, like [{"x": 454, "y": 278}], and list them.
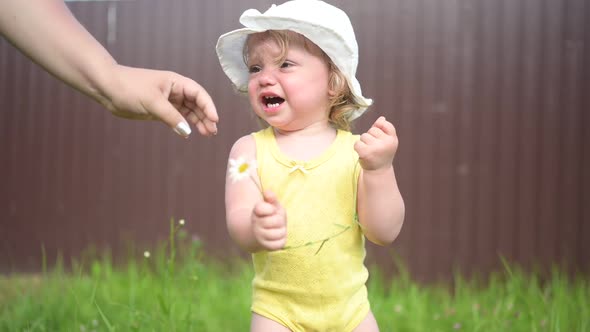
[
  {"x": 322, "y": 241},
  {"x": 256, "y": 183}
]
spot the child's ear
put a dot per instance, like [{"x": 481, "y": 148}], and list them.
[{"x": 331, "y": 93}]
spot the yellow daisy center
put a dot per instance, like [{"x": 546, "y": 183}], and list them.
[{"x": 243, "y": 168}]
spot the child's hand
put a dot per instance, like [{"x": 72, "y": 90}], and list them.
[
  {"x": 269, "y": 222},
  {"x": 377, "y": 147}
]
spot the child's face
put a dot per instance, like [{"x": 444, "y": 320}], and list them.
[{"x": 294, "y": 93}]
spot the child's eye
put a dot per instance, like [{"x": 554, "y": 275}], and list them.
[
  {"x": 286, "y": 64},
  {"x": 253, "y": 69}
]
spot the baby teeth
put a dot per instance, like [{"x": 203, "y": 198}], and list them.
[{"x": 273, "y": 105}]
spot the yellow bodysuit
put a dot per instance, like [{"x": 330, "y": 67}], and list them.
[{"x": 318, "y": 282}]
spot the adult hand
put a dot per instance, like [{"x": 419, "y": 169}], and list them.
[
  {"x": 48, "y": 33},
  {"x": 145, "y": 94},
  {"x": 269, "y": 222},
  {"x": 376, "y": 148}
]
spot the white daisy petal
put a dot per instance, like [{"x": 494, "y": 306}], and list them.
[{"x": 240, "y": 168}]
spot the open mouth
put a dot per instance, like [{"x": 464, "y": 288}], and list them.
[{"x": 272, "y": 101}]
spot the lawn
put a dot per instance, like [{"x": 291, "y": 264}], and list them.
[{"x": 169, "y": 291}]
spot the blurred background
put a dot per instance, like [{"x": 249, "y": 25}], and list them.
[{"x": 490, "y": 98}]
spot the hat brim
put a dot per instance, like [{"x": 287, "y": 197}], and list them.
[{"x": 230, "y": 51}]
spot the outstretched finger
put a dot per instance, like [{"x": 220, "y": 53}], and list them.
[
  {"x": 199, "y": 96},
  {"x": 163, "y": 109},
  {"x": 211, "y": 126},
  {"x": 204, "y": 130}
]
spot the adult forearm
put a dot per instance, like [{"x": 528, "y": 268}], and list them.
[
  {"x": 47, "y": 32},
  {"x": 381, "y": 207}
]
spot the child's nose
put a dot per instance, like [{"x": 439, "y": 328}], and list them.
[{"x": 266, "y": 77}]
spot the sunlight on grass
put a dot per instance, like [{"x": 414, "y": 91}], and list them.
[{"x": 176, "y": 288}]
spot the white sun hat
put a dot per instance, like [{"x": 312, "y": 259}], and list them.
[{"x": 325, "y": 25}]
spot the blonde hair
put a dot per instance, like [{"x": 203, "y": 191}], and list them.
[{"x": 343, "y": 102}]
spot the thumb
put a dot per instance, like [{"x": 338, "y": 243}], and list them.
[
  {"x": 270, "y": 198},
  {"x": 378, "y": 121},
  {"x": 166, "y": 113}
]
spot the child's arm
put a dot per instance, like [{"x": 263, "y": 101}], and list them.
[
  {"x": 255, "y": 221},
  {"x": 380, "y": 204}
]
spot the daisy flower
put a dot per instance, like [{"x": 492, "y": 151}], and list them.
[{"x": 241, "y": 168}]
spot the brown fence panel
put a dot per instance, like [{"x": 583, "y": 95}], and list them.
[{"x": 490, "y": 100}]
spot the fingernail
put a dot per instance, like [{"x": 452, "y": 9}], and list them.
[{"x": 183, "y": 129}]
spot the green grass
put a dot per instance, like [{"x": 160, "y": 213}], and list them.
[
  {"x": 188, "y": 292},
  {"x": 508, "y": 301}
]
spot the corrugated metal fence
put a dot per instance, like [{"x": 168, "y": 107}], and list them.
[{"x": 490, "y": 99}]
